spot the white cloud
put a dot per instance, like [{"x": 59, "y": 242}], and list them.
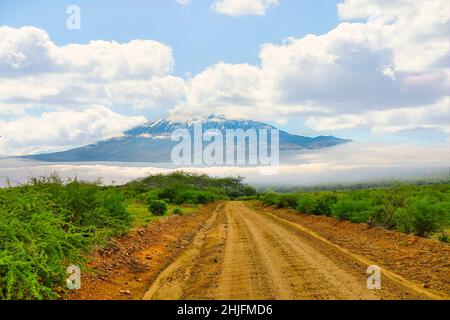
[
  {"x": 35, "y": 70},
  {"x": 346, "y": 69},
  {"x": 222, "y": 87},
  {"x": 416, "y": 29},
  {"x": 340, "y": 122},
  {"x": 354, "y": 9},
  {"x": 53, "y": 130},
  {"x": 141, "y": 59},
  {"x": 184, "y": 2},
  {"x": 433, "y": 117},
  {"x": 397, "y": 59},
  {"x": 237, "y": 91},
  {"x": 243, "y": 7},
  {"x": 29, "y": 50}
]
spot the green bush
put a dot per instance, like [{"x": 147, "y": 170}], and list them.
[
  {"x": 185, "y": 196},
  {"x": 288, "y": 201},
  {"x": 403, "y": 221},
  {"x": 317, "y": 204},
  {"x": 386, "y": 207},
  {"x": 178, "y": 211},
  {"x": 270, "y": 198},
  {"x": 151, "y": 195},
  {"x": 424, "y": 217},
  {"x": 305, "y": 204},
  {"x": 158, "y": 207},
  {"x": 204, "y": 197},
  {"x": 324, "y": 204},
  {"x": 46, "y": 225},
  {"x": 171, "y": 184},
  {"x": 421, "y": 210},
  {"x": 351, "y": 209},
  {"x": 444, "y": 238}
]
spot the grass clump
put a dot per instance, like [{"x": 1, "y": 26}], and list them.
[{"x": 178, "y": 211}]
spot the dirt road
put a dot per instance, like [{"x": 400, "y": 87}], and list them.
[{"x": 247, "y": 253}]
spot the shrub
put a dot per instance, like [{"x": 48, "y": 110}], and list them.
[
  {"x": 151, "y": 195},
  {"x": 270, "y": 198},
  {"x": 386, "y": 210},
  {"x": 352, "y": 209},
  {"x": 444, "y": 238},
  {"x": 177, "y": 211},
  {"x": 158, "y": 207},
  {"x": 403, "y": 220},
  {"x": 305, "y": 204},
  {"x": 46, "y": 225},
  {"x": 185, "y": 196},
  {"x": 204, "y": 197},
  {"x": 248, "y": 191},
  {"x": 288, "y": 201},
  {"x": 421, "y": 210},
  {"x": 324, "y": 203},
  {"x": 424, "y": 217},
  {"x": 171, "y": 184}
]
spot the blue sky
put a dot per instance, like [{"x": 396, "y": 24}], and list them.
[{"x": 369, "y": 70}]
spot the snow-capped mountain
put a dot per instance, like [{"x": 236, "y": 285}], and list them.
[
  {"x": 151, "y": 142},
  {"x": 219, "y": 122}
]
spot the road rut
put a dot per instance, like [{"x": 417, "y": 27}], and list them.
[{"x": 245, "y": 253}]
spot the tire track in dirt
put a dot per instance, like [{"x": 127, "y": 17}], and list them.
[
  {"x": 245, "y": 274},
  {"x": 171, "y": 282},
  {"x": 291, "y": 268},
  {"x": 301, "y": 272},
  {"x": 423, "y": 263},
  {"x": 248, "y": 254},
  {"x": 126, "y": 266},
  {"x": 394, "y": 280}
]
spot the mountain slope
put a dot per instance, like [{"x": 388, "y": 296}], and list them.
[{"x": 151, "y": 142}]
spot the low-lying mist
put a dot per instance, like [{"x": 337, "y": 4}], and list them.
[{"x": 350, "y": 163}]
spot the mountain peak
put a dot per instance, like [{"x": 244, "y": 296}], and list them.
[
  {"x": 151, "y": 142},
  {"x": 207, "y": 118}
]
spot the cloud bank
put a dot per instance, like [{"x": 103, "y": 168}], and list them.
[
  {"x": 63, "y": 129},
  {"x": 342, "y": 164}
]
